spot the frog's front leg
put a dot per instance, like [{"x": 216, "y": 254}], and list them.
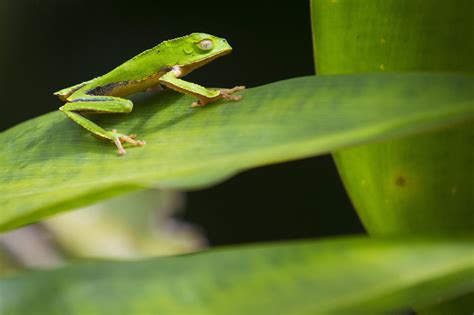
[
  {"x": 100, "y": 104},
  {"x": 206, "y": 96}
]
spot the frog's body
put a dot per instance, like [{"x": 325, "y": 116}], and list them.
[{"x": 162, "y": 65}]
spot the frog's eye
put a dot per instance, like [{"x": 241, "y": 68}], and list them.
[{"x": 205, "y": 44}]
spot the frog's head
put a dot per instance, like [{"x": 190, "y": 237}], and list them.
[{"x": 199, "y": 49}]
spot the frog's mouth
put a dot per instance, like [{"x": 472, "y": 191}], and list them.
[{"x": 199, "y": 63}]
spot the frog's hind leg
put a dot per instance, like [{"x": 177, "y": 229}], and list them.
[{"x": 101, "y": 104}]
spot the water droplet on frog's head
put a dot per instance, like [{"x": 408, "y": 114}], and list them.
[{"x": 187, "y": 50}]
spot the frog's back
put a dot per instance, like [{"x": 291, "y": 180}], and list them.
[
  {"x": 156, "y": 60},
  {"x": 134, "y": 75}
]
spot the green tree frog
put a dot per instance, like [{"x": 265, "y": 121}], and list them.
[{"x": 162, "y": 65}]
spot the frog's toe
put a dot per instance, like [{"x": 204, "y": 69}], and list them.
[
  {"x": 227, "y": 93},
  {"x": 119, "y": 138}
]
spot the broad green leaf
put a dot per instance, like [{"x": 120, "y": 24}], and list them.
[
  {"x": 355, "y": 275},
  {"x": 351, "y": 36},
  {"x": 49, "y": 164},
  {"x": 420, "y": 182}
]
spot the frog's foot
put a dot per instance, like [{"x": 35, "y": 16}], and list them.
[
  {"x": 227, "y": 93},
  {"x": 119, "y": 138},
  {"x": 224, "y": 93}
]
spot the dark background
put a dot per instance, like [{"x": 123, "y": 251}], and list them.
[{"x": 49, "y": 45}]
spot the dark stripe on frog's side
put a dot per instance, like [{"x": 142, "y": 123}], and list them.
[
  {"x": 95, "y": 99},
  {"x": 108, "y": 89}
]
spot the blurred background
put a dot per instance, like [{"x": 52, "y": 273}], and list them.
[{"x": 47, "y": 45}]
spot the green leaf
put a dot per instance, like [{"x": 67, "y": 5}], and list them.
[
  {"x": 49, "y": 164},
  {"x": 414, "y": 185},
  {"x": 342, "y": 276},
  {"x": 420, "y": 182},
  {"x": 392, "y": 36}
]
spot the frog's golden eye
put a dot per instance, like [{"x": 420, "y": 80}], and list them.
[{"x": 205, "y": 44}]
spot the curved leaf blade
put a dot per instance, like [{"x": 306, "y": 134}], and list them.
[
  {"x": 355, "y": 275},
  {"x": 49, "y": 164},
  {"x": 420, "y": 182}
]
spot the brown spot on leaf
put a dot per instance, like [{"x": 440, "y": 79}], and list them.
[{"x": 400, "y": 181}]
